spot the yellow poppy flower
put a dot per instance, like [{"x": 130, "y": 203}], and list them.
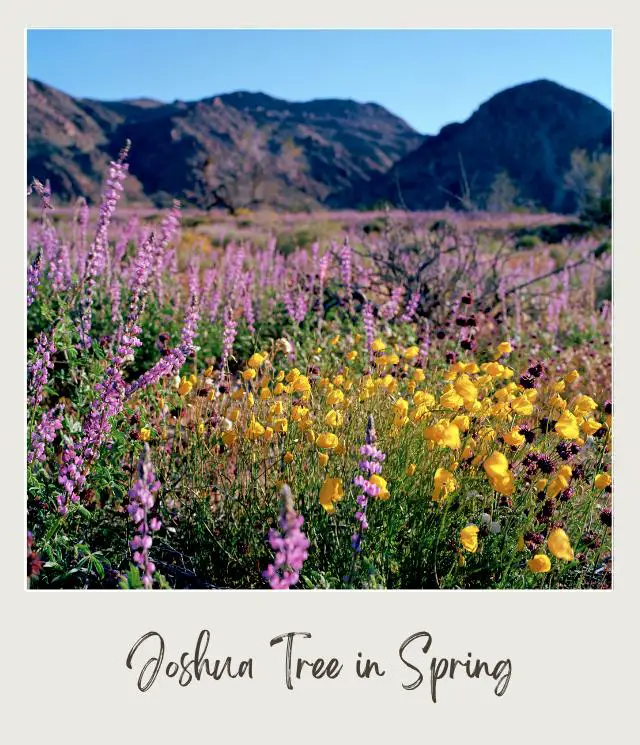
[
  {"x": 280, "y": 425},
  {"x": 567, "y": 426},
  {"x": 335, "y": 397},
  {"x": 539, "y": 563},
  {"x": 381, "y": 483},
  {"x": 268, "y": 434},
  {"x": 590, "y": 426},
  {"x": 504, "y": 348},
  {"x": 466, "y": 389},
  {"x": 451, "y": 400},
  {"x": 559, "y": 482},
  {"x": 330, "y": 493},
  {"x": 514, "y": 438},
  {"x": 255, "y": 361},
  {"x": 298, "y": 413},
  {"x": 584, "y": 405},
  {"x": 229, "y": 438},
  {"x": 496, "y": 464},
  {"x": 602, "y": 481},
  {"x": 443, "y": 484},
  {"x": 254, "y": 430},
  {"x": 327, "y": 440},
  {"x": 557, "y": 402},
  {"x": 572, "y": 377},
  {"x": 185, "y": 387},
  {"x": 522, "y": 406},
  {"x": 469, "y": 538},
  {"x": 334, "y": 418},
  {"x": 559, "y": 544}
]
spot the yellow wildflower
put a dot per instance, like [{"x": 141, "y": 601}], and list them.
[
  {"x": 443, "y": 484},
  {"x": 559, "y": 544},
  {"x": 383, "y": 492},
  {"x": 539, "y": 563},
  {"x": 602, "y": 480},
  {"x": 567, "y": 426},
  {"x": 469, "y": 538},
  {"x": 327, "y": 440},
  {"x": 255, "y": 361},
  {"x": 330, "y": 493}
]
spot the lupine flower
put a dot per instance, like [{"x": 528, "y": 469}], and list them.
[
  {"x": 290, "y": 545},
  {"x": 97, "y": 257},
  {"x": 33, "y": 279},
  {"x": 369, "y": 327},
  {"x": 411, "y": 308},
  {"x": 141, "y": 504},
  {"x": 390, "y": 309},
  {"x": 172, "y": 362},
  {"x": 112, "y": 390},
  {"x": 38, "y": 370},
  {"x": 346, "y": 271},
  {"x": 322, "y": 277},
  {"x": 369, "y": 481},
  {"x": 228, "y": 335},
  {"x": 43, "y": 433}
]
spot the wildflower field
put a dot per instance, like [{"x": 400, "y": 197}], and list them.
[{"x": 381, "y": 401}]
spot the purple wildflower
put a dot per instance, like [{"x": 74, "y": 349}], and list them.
[
  {"x": 390, "y": 309},
  {"x": 322, "y": 278},
  {"x": 112, "y": 390},
  {"x": 346, "y": 272},
  {"x": 371, "y": 464},
  {"x": 230, "y": 328},
  {"x": 411, "y": 308},
  {"x": 45, "y": 431},
  {"x": 141, "y": 503},
  {"x": 247, "y": 303},
  {"x": 290, "y": 545},
  {"x": 38, "y": 370},
  {"x": 369, "y": 327},
  {"x": 33, "y": 279},
  {"x": 97, "y": 257},
  {"x": 171, "y": 362}
]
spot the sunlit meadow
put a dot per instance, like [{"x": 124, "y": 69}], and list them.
[{"x": 337, "y": 401}]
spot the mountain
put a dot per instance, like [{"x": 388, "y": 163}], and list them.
[
  {"x": 520, "y": 140},
  {"x": 248, "y": 149},
  {"x": 236, "y": 149}
]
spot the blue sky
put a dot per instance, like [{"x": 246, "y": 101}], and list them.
[{"x": 429, "y": 78}]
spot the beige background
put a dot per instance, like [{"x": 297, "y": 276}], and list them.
[{"x": 574, "y": 660}]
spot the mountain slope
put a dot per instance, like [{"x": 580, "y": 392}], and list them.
[
  {"x": 248, "y": 148},
  {"x": 526, "y": 133}
]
